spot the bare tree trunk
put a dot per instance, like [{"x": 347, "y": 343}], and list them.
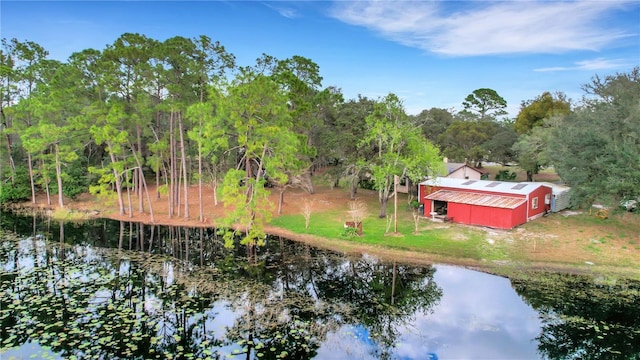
[
  {"x": 383, "y": 205},
  {"x": 161, "y": 167},
  {"x": 158, "y": 115},
  {"x": 46, "y": 184},
  {"x": 118, "y": 182},
  {"x": 31, "y": 179},
  {"x": 249, "y": 193},
  {"x": 144, "y": 184},
  {"x": 281, "y": 200},
  {"x": 308, "y": 182},
  {"x": 146, "y": 190},
  {"x": 353, "y": 187},
  {"x": 139, "y": 174},
  {"x": 126, "y": 174},
  {"x": 158, "y": 181},
  {"x": 215, "y": 191},
  {"x": 172, "y": 168},
  {"x": 184, "y": 167},
  {"x": 59, "y": 177},
  {"x": 200, "y": 200},
  {"x": 249, "y": 175},
  {"x": 178, "y": 193}
]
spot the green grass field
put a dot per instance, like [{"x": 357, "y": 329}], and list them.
[{"x": 556, "y": 241}]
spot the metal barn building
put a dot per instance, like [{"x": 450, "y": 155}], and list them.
[{"x": 496, "y": 204}]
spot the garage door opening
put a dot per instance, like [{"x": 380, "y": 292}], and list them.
[{"x": 440, "y": 207}]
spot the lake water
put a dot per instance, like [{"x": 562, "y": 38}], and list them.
[{"x": 108, "y": 289}]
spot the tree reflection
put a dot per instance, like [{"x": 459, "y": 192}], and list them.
[
  {"x": 380, "y": 304},
  {"x": 583, "y": 317},
  {"x": 174, "y": 293},
  {"x": 381, "y": 296}
]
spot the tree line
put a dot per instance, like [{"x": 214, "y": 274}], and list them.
[{"x": 181, "y": 111}]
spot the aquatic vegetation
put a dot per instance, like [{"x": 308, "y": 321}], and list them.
[
  {"x": 584, "y": 316},
  {"x": 183, "y": 297}
]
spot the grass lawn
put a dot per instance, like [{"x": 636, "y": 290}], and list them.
[
  {"x": 433, "y": 238},
  {"x": 578, "y": 241}
]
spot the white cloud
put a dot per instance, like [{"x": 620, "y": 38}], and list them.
[
  {"x": 589, "y": 65},
  {"x": 484, "y": 28},
  {"x": 289, "y": 13}
]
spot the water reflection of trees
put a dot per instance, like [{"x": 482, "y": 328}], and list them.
[
  {"x": 165, "y": 292},
  {"x": 380, "y": 296},
  {"x": 584, "y": 317}
]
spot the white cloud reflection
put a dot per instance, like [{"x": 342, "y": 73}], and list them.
[{"x": 479, "y": 316}]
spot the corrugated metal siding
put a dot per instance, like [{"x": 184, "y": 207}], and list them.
[
  {"x": 560, "y": 201},
  {"x": 489, "y": 200},
  {"x": 500, "y": 218},
  {"x": 459, "y": 212},
  {"x": 519, "y": 215},
  {"x": 494, "y": 217}
]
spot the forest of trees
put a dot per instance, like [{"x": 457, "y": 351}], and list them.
[{"x": 181, "y": 112}]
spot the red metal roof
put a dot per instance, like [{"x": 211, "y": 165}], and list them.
[{"x": 463, "y": 197}]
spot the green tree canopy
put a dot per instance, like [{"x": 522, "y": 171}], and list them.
[
  {"x": 596, "y": 149},
  {"x": 434, "y": 122},
  {"x": 533, "y": 112},
  {"x": 485, "y": 103},
  {"x": 256, "y": 117},
  {"x": 400, "y": 149},
  {"x": 464, "y": 141},
  {"x": 499, "y": 147},
  {"x": 347, "y": 130},
  {"x": 532, "y": 150}
]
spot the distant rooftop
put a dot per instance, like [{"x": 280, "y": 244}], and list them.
[{"x": 451, "y": 167}]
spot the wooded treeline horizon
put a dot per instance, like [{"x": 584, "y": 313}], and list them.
[{"x": 181, "y": 111}]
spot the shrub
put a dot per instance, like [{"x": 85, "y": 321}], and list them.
[
  {"x": 75, "y": 181},
  {"x": 349, "y": 232},
  {"x": 506, "y": 175},
  {"x": 414, "y": 204},
  {"x": 367, "y": 184},
  {"x": 18, "y": 190}
]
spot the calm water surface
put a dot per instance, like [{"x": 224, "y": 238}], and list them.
[{"x": 107, "y": 289}]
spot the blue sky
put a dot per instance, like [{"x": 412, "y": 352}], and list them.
[{"x": 429, "y": 53}]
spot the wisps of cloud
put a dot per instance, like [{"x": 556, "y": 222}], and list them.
[
  {"x": 284, "y": 11},
  {"x": 590, "y": 65},
  {"x": 488, "y": 27}
]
